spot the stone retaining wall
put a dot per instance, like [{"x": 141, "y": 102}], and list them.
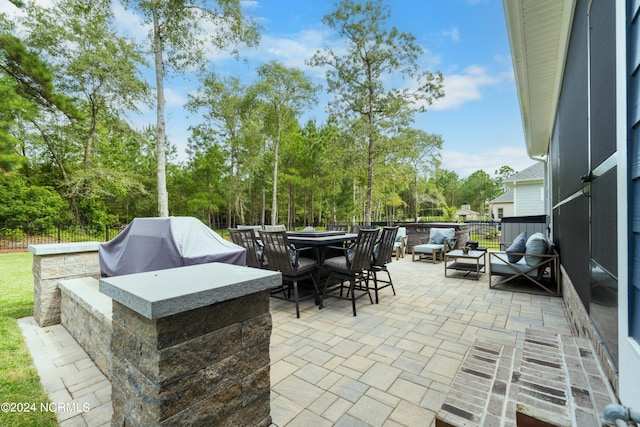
[
  {"x": 416, "y": 232},
  {"x": 55, "y": 262},
  {"x": 86, "y": 314}
]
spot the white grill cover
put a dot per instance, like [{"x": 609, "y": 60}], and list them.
[{"x": 149, "y": 244}]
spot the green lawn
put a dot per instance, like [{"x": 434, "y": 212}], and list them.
[{"x": 19, "y": 381}]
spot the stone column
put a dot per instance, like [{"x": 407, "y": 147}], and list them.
[
  {"x": 52, "y": 263},
  {"x": 190, "y": 346}
]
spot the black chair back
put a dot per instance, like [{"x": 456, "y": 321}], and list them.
[
  {"x": 246, "y": 238},
  {"x": 384, "y": 251},
  {"x": 278, "y": 251},
  {"x": 364, "y": 249}
]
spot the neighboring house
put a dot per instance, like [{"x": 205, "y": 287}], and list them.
[
  {"x": 525, "y": 196},
  {"x": 528, "y": 190},
  {"x": 576, "y": 67},
  {"x": 502, "y": 206},
  {"x": 465, "y": 213}
]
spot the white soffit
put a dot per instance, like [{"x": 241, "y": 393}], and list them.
[{"x": 538, "y": 32}]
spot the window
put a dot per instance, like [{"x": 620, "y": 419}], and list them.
[{"x": 500, "y": 212}]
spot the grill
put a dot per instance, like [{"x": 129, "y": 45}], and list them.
[{"x": 149, "y": 244}]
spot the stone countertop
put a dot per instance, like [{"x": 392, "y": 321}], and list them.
[
  {"x": 162, "y": 293},
  {"x": 63, "y": 248}
]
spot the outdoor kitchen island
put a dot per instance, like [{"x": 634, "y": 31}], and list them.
[{"x": 190, "y": 345}]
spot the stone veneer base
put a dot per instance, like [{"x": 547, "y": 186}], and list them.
[
  {"x": 207, "y": 365},
  {"x": 86, "y": 314},
  {"x": 55, "y": 262},
  {"x": 582, "y": 326}
]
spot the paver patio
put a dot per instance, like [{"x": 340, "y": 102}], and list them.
[{"x": 392, "y": 365}]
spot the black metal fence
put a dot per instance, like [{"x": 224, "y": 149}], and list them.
[
  {"x": 486, "y": 233},
  {"x": 18, "y": 237},
  {"x": 491, "y": 233}
]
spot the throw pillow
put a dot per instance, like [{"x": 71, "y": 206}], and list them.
[
  {"x": 536, "y": 245},
  {"x": 518, "y": 246},
  {"x": 376, "y": 250},
  {"x": 437, "y": 237},
  {"x": 350, "y": 254},
  {"x": 260, "y": 250},
  {"x": 293, "y": 255}
]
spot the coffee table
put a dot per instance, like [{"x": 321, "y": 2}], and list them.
[{"x": 473, "y": 261}]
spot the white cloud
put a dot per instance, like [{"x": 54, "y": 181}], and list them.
[
  {"x": 174, "y": 98},
  {"x": 129, "y": 23},
  {"x": 453, "y": 34},
  {"x": 249, "y": 4},
  {"x": 292, "y": 50},
  {"x": 489, "y": 161},
  {"x": 460, "y": 88}
]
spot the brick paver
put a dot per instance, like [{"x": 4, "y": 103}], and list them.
[{"x": 69, "y": 377}]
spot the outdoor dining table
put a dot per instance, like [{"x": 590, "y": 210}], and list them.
[
  {"x": 319, "y": 240},
  {"x": 320, "y": 237}
]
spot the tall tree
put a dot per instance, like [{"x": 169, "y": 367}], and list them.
[
  {"x": 357, "y": 74},
  {"x": 503, "y": 173},
  {"x": 93, "y": 63},
  {"x": 228, "y": 110},
  {"x": 421, "y": 151},
  {"x": 26, "y": 88},
  {"x": 477, "y": 189},
  {"x": 179, "y": 42},
  {"x": 99, "y": 69},
  {"x": 284, "y": 92},
  {"x": 449, "y": 183}
]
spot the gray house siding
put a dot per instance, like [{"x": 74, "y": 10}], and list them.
[
  {"x": 634, "y": 168},
  {"x": 584, "y": 197}
]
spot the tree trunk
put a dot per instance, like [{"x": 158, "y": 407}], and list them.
[
  {"x": 313, "y": 198},
  {"x": 291, "y": 209},
  {"x": 274, "y": 197},
  {"x": 264, "y": 207},
  {"x": 416, "y": 198},
  {"x": 163, "y": 198},
  {"x": 88, "y": 148}
]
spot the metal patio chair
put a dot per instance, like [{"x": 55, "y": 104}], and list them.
[
  {"x": 352, "y": 267},
  {"x": 285, "y": 258},
  {"x": 382, "y": 254}
]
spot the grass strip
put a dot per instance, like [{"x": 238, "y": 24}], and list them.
[{"x": 19, "y": 380}]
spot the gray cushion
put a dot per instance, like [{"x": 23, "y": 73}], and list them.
[
  {"x": 536, "y": 245},
  {"x": 426, "y": 248},
  {"x": 498, "y": 266},
  {"x": 518, "y": 246},
  {"x": 337, "y": 263}
]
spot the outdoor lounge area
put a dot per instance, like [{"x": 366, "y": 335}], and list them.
[{"x": 392, "y": 365}]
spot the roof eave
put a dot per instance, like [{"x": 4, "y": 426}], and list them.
[{"x": 538, "y": 32}]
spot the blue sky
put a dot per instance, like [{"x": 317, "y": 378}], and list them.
[{"x": 478, "y": 119}]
